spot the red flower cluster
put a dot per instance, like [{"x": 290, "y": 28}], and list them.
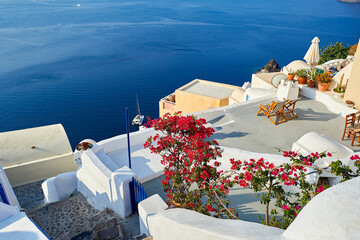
[{"x": 188, "y": 159}]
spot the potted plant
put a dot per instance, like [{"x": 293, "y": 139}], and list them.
[
  {"x": 301, "y": 76},
  {"x": 312, "y": 74},
  {"x": 324, "y": 79},
  {"x": 340, "y": 89},
  {"x": 291, "y": 75}
]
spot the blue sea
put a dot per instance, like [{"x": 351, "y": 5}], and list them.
[{"x": 82, "y": 65}]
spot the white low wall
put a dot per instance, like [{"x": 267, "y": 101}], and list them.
[
  {"x": 59, "y": 187},
  {"x": 9, "y": 192},
  {"x": 7, "y": 211},
  {"x": 103, "y": 187},
  {"x": 148, "y": 207},
  {"x": 179, "y": 224},
  {"x": 120, "y": 142},
  {"x": 334, "y": 105},
  {"x": 20, "y": 227}
]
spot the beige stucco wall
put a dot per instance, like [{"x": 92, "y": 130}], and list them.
[
  {"x": 262, "y": 80},
  {"x": 353, "y": 88},
  {"x": 189, "y": 102},
  {"x": 163, "y": 110},
  {"x": 36, "y": 153},
  {"x": 346, "y": 72}
]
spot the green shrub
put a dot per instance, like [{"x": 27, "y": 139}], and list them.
[{"x": 333, "y": 51}]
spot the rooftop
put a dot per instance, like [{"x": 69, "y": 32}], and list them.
[{"x": 209, "y": 90}]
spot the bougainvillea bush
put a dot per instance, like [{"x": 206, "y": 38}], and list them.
[
  {"x": 192, "y": 179},
  {"x": 191, "y": 176},
  {"x": 287, "y": 183}
]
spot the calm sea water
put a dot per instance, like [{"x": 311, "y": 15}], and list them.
[{"x": 81, "y": 66}]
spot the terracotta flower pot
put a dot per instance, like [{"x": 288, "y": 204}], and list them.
[
  {"x": 322, "y": 87},
  {"x": 301, "y": 80},
  {"x": 291, "y": 76},
  {"x": 311, "y": 83}
]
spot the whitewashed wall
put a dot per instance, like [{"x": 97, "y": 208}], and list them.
[
  {"x": 103, "y": 187},
  {"x": 9, "y": 192},
  {"x": 332, "y": 214}
]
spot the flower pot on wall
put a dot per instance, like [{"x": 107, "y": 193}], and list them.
[
  {"x": 338, "y": 94},
  {"x": 311, "y": 83},
  {"x": 291, "y": 76},
  {"x": 301, "y": 80},
  {"x": 322, "y": 87}
]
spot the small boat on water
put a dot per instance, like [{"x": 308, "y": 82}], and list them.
[{"x": 138, "y": 119}]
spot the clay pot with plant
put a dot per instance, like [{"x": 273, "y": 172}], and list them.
[
  {"x": 301, "y": 76},
  {"x": 312, "y": 74},
  {"x": 324, "y": 79},
  {"x": 339, "y": 90},
  {"x": 291, "y": 74}
]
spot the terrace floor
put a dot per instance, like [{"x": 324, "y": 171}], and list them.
[{"x": 243, "y": 129}]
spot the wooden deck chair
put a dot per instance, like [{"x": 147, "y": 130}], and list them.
[
  {"x": 273, "y": 109},
  {"x": 356, "y": 127},
  {"x": 289, "y": 108},
  {"x": 352, "y": 127},
  {"x": 349, "y": 125}
]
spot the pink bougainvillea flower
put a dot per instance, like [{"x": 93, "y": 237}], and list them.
[{"x": 285, "y": 207}]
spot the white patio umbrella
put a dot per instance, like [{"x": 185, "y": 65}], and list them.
[{"x": 312, "y": 56}]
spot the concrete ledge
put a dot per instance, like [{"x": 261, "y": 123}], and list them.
[{"x": 39, "y": 170}]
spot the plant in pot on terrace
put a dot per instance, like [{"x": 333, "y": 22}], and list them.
[
  {"x": 301, "y": 76},
  {"x": 324, "y": 79},
  {"x": 340, "y": 89},
  {"x": 312, "y": 74},
  {"x": 291, "y": 74}
]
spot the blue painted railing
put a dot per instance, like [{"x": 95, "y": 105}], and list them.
[
  {"x": 137, "y": 194},
  {"x": 3, "y": 197}
]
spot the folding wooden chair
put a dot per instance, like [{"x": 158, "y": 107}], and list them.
[
  {"x": 352, "y": 127},
  {"x": 289, "y": 108},
  {"x": 349, "y": 125},
  {"x": 273, "y": 109},
  {"x": 356, "y": 127}
]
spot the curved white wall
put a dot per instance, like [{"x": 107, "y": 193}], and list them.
[
  {"x": 36, "y": 153},
  {"x": 332, "y": 214},
  {"x": 180, "y": 224}
]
